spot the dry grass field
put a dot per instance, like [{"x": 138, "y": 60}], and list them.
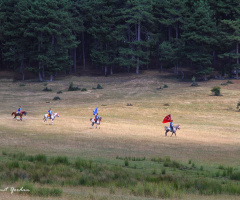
[{"x": 210, "y": 131}]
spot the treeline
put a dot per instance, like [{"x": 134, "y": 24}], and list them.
[{"x": 49, "y": 37}]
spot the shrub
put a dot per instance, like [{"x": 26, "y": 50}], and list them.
[
  {"x": 56, "y": 98},
  {"x": 41, "y": 158},
  {"x": 235, "y": 176},
  {"x": 98, "y": 87},
  {"x": 163, "y": 171},
  {"x": 84, "y": 89},
  {"x": 216, "y": 90},
  {"x": 59, "y": 92},
  {"x": 238, "y": 105},
  {"x": 22, "y": 84},
  {"x": 62, "y": 160},
  {"x": 126, "y": 163},
  {"x": 194, "y": 83},
  {"x": 229, "y": 82},
  {"x": 46, "y": 89},
  {"x": 4, "y": 153},
  {"x": 165, "y": 86},
  {"x": 72, "y": 88}
]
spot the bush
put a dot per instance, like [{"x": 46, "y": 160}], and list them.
[
  {"x": 56, "y": 98},
  {"x": 98, "y": 87},
  {"x": 72, "y": 88},
  {"x": 21, "y": 84},
  {"x": 235, "y": 176},
  {"x": 126, "y": 163},
  {"x": 46, "y": 89},
  {"x": 216, "y": 90},
  {"x": 59, "y": 92},
  {"x": 194, "y": 83},
  {"x": 84, "y": 89},
  {"x": 62, "y": 160},
  {"x": 238, "y": 105},
  {"x": 165, "y": 86}
]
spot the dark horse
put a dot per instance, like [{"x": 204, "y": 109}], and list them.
[
  {"x": 19, "y": 114},
  {"x": 167, "y": 129}
]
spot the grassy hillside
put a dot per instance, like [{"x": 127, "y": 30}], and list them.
[{"x": 207, "y": 146}]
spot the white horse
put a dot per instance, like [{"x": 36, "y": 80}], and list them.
[
  {"x": 167, "y": 129},
  {"x": 96, "y": 122},
  {"x": 46, "y": 116}
]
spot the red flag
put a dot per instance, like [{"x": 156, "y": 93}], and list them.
[{"x": 167, "y": 119}]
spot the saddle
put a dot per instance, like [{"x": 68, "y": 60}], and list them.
[{"x": 49, "y": 116}]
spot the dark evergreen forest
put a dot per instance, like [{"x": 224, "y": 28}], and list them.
[{"x": 52, "y": 37}]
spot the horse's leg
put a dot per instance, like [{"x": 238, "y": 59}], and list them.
[{"x": 166, "y": 133}]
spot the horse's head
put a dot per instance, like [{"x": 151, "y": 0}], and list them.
[
  {"x": 13, "y": 113},
  {"x": 90, "y": 119},
  {"x": 178, "y": 127},
  {"x": 56, "y": 114}
]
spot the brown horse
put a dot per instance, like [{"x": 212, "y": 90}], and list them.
[{"x": 19, "y": 114}]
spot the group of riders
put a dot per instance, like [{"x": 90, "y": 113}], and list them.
[
  {"x": 50, "y": 112},
  {"x": 97, "y": 119}
]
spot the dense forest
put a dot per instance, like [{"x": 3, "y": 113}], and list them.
[{"x": 51, "y": 37}]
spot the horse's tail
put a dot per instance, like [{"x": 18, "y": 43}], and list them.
[{"x": 25, "y": 113}]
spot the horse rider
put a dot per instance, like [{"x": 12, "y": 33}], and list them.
[
  {"x": 50, "y": 113},
  {"x": 171, "y": 125},
  {"x": 19, "y": 110},
  {"x": 96, "y": 117}
]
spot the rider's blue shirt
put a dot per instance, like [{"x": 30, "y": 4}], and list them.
[
  {"x": 97, "y": 117},
  {"x": 171, "y": 124},
  {"x": 19, "y": 109},
  {"x": 50, "y": 112}
]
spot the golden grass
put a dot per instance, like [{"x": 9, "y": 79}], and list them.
[{"x": 209, "y": 124}]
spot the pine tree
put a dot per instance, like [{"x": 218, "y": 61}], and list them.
[
  {"x": 137, "y": 17},
  {"x": 199, "y": 31},
  {"x": 231, "y": 34}
]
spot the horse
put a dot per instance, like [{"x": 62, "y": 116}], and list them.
[
  {"x": 46, "y": 116},
  {"x": 167, "y": 129},
  {"x": 96, "y": 122},
  {"x": 19, "y": 114}
]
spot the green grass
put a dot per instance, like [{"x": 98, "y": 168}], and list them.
[{"x": 158, "y": 180}]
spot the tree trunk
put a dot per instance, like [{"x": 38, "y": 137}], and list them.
[
  {"x": 39, "y": 62},
  {"x": 177, "y": 32},
  {"x": 181, "y": 72},
  {"x": 214, "y": 58},
  {"x": 157, "y": 57},
  {"x": 51, "y": 78},
  {"x": 75, "y": 60},
  {"x": 237, "y": 51},
  {"x": 43, "y": 72},
  {"x": 111, "y": 72},
  {"x": 83, "y": 51},
  {"x": 139, "y": 39},
  {"x": 22, "y": 66},
  {"x": 105, "y": 71},
  {"x": 169, "y": 33}
]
